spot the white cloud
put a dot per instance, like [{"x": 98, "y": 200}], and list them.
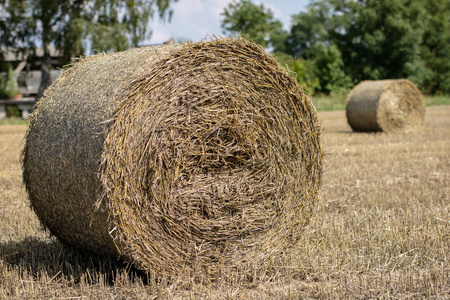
[
  {"x": 197, "y": 19},
  {"x": 218, "y": 6},
  {"x": 187, "y": 7},
  {"x": 192, "y": 19}
]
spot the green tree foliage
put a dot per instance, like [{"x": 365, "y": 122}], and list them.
[
  {"x": 309, "y": 39},
  {"x": 110, "y": 25},
  {"x": 8, "y": 84},
  {"x": 308, "y": 31},
  {"x": 329, "y": 67},
  {"x": 254, "y": 22},
  {"x": 435, "y": 48},
  {"x": 302, "y": 70},
  {"x": 382, "y": 39},
  {"x": 377, "y": 39}
]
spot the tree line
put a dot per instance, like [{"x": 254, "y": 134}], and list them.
[
  {"x": 330, "y": 47},
  {"x": 335, "y": 44},
  {"x": 108, "y": 25}
]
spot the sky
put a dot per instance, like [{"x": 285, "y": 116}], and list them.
[{"x": 195, "y": 20}]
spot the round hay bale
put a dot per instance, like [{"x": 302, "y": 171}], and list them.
[
  {"x": 175, "y": 157},
  {"x": 385, "y": 105}
]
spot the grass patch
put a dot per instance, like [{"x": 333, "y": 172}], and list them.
[
  {"x": 437, "y": 100},
  {"x": 329, "y": 103},
  {"x": 337, "y": 102},
  {"x": 321, "y": 102},
  {"x": 13, "y": 121}
]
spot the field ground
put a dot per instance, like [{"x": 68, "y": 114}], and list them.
[
  {"x": 322, "y": 103},
  {"x": 381, "y": 230}
]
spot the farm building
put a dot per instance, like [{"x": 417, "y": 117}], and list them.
[{"x": 27, "y": 68}]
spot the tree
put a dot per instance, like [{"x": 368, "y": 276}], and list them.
[
  {"x": 313, "y": 28},
  {"x": 329, "y": 68},
  {"x": 308, "y": 30},
  {"x": 254, "y": 22},
  {"x": 111, "y": 25},
  {"x": 379, "y": 39},
  {"x": 302, "y": 70},
  {"x": 310, "y": 39},
  {"x": 382, "y": 39},
  {"x": 435, "y": 48}
]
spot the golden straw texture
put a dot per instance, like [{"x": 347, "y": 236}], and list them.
[
  {"x": 385, "y": 105},
  {"x": 175, "y": 157}
]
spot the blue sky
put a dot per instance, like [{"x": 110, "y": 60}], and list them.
[{"x": 196, "y": 19}]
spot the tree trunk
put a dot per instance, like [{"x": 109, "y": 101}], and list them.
[
  {"x": 46, "y": 66},
  {"x": 19, "y": 69}
]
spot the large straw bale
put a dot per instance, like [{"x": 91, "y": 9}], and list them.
[
  {"x": 175, "y": 157},
  {"x": 385, "y": 105}
]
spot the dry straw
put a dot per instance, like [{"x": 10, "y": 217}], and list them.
[
  {"x": 175, "y": 157},
  {"x": 385, "y": 105}
]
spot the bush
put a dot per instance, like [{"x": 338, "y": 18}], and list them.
[
  {"x": 12, "y": 111},
  {"x": 303, "y": 70},
  {"x": 8, "y": 84},
  {"x": 323, "y": 73},
  {"x": 329, "y": 69}
]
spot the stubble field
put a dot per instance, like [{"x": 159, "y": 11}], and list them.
[{"x": 381, "y": 230}]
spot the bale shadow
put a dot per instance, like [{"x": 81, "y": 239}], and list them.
[
  {"x": 34, "y": 256},
  {"x": 344, "y": 131}
]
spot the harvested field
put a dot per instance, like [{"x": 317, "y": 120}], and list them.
[{"x": 380, "y": 230}]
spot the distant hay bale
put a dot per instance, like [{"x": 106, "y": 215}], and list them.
[
  {"x": 385, "y": 105},
  {"x": 175, "y": 157}
]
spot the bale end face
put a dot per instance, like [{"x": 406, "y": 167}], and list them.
[{"x": 211, "y": 153}]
